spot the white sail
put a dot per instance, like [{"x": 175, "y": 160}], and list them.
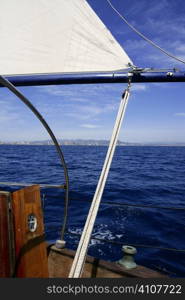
[{"x": 48, "y": 36}]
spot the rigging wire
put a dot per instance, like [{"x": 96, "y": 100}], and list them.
[
  {"x": 143, "y": 36},
  {"x": 114, "y": 242},
  {"x": 79, "y": 260},
  {"x": 123, "y": 204},
  {"x": 16, "y": 92}
]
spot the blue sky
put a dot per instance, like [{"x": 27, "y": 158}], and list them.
[{"x": 155, "y": 113}]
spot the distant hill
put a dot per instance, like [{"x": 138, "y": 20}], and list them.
[
  {"x": 82, "y": 142},
  {"x": 65, "y": 142},
  {"x": 77, "y": 142}
]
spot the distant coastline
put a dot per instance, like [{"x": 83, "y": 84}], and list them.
[{"x": 81, "y": 142}]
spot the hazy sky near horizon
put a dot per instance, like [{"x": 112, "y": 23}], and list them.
[{"x": 155, "y": 113}]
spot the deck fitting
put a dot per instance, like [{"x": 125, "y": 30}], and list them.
[
  {"x": 128, "y": 259},
  {"x": 60, "y": 244}
]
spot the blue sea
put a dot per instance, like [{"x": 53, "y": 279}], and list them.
[{"x": 143, "y": 176}]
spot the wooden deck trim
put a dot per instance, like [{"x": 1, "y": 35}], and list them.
[
  {"x": 30, "y": 247},
  {"x": 113, "y": 267},
  {"x": 6, "y": 236}
]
